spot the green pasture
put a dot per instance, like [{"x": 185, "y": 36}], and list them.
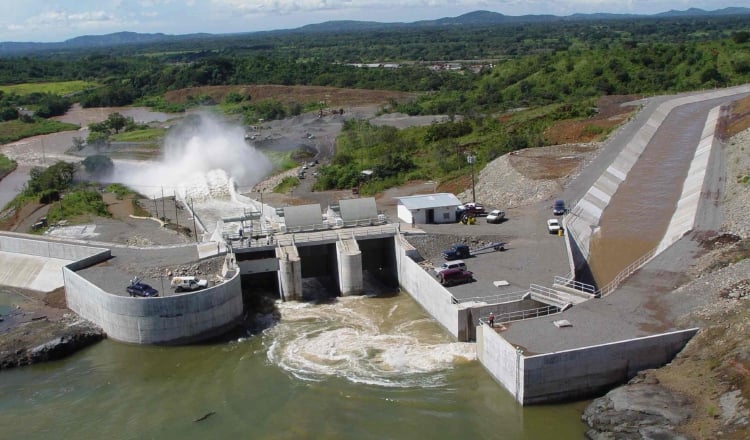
[{"x": 61, "y": 88}]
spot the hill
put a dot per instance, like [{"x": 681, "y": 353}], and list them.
[{"x": 475, "y": 18}]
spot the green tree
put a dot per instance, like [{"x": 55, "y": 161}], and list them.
[
  {"x": 57, "y": 177},
  {"x": 98, "y": 165},
  {"x": 116, "y": 121}
]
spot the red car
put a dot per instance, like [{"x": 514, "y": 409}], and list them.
[{"x": 450, "y": 277}]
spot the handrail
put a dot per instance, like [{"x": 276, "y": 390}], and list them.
[
  {"x": 623, "y": 274},
  {"x": 573, "y": 284},
  {"x": 550, "y": 293},
  {"x": 629, "y": 270},
  {"x": 520, "y": 315},
  {"x": 502, "y": 297},
  {"x": 334, "y": 234}
]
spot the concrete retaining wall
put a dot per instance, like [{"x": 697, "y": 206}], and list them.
[
  {"x": 50, "y": 249},
  {"x": 502, "y": 360},
  {"x": 587, "y": 371},
  {"x": 174, "y": 319},
  {"x": 427, "y": 291},
  {"x": 683, "y": 219},
  {"x": 573, "y": 374}
]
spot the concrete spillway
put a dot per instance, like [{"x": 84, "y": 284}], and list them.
[{"x": 627, "y": 211}]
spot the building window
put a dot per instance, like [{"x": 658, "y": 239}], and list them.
[{"x": 446, "y": 216}]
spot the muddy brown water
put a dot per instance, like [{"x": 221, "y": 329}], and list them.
[{"x": 638, "y": 214}]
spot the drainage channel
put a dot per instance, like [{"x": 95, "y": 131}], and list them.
[{"x": 638, "y": 214}]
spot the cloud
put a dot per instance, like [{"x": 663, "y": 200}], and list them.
[
  {"x": 292, "y": 6},
  {"x": 78, "y": 20}
]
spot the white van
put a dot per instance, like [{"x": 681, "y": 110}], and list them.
[
  {"x": 455, "y": 264},
  {"x": 188, "y": 283}
]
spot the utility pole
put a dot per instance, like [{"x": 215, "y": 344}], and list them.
[
  {"x": 156, "y": 208},
  {"x": 163, "y": 210},
  {"x": 176, "y": 217},
  {"x": 192, "y": 211},
  {"x": 471, "y": 158}
]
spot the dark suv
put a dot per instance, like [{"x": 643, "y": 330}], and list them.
[
  {"x": 137, "y": 288},
  {"x": 457, "y": 251},
  {"x": 559, "y": 207}
]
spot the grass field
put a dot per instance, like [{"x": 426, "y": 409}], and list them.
[
  {"x": 11, "y": 131},
  {"x": 57, "y": 88},
  {"x": 145, "y": 135},
  {"x": 6, "y": 166}
]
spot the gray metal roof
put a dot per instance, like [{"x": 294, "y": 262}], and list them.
[
  {"x": 427, "y": 201},
  {"x": 358, "y": 209}
]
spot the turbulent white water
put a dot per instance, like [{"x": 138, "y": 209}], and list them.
[
  {"x": 356, "y": 339},
  {"x": 203, "y": 158}
]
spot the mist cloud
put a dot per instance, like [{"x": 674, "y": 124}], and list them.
[{"x": 203, "y": 156}]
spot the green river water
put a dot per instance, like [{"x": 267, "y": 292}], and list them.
[{"x": 359, "y": 368}]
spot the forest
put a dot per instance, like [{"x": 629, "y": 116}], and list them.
[{"x": 551, "y": 70}]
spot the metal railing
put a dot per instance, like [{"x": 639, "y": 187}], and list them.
[
  {"x": 629, "y": 270},
  {"x": 495, "y": 299},
  {"x": 551, "y": 294},
  {"x": 577, "y": 285},
  {"x": 287, "y": 239},
  {"x": 620, "y": 277},
  {"x": 520, "y": 315}
]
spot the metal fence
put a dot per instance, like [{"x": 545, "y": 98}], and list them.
[
  {"x": 577, "y": 285},
  {"x": 520, "y": 315},
  {"x": 494, "y": 299}
]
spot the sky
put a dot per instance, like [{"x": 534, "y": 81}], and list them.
[{"x": 59, "y": 20}]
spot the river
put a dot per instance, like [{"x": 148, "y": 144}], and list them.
[{"x": 357, "y": 368}]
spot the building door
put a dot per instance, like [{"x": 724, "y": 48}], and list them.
[{"x": 430, "y": 216}]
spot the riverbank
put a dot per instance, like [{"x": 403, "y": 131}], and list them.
[{"x": 37, "y": 327}]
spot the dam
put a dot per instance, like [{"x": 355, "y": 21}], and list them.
[{"x": 598, "y": 343}]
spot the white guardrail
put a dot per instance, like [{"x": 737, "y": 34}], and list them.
[
  {"x": 577, "y": 285},
  {"x": 629, "y": 270},
  {"x": 495, "y": 299},
  {"x": 520, "y": 315},
  {"x": 550, "y": 294}
]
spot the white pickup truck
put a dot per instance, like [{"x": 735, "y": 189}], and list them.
[
  {"x": 553, "y": 226},
  {"x": 188, "y": 283}
]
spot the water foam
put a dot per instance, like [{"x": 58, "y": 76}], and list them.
[
  {"x": 203, "y": 158},
  {"x": 352, "y": 339}
]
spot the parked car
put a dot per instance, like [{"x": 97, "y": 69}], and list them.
[
  {"x": 137, "y": 288},
  {"x": 450, "y": 277},
  {"x": 458, "y": 264},
  {"x": 495, "y": 216},
  {"x": 475, "y": 209},
  {"x": 188, "y": 283},
  {"x": 457, "y": 251},
  {"x": 559, "y": 207},
  {"x": 553, "y": 226}
]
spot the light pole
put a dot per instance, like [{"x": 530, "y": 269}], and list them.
[{"x": 471, "y": 158}]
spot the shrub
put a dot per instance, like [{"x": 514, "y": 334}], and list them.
[{"x": 98, "y": 165}]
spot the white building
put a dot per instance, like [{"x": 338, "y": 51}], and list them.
[{"x": 428, "y": 208}]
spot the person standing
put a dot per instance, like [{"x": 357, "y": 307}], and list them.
[{"x": 492, "y": 320}]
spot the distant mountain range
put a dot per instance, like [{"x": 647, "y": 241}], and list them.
[{"x": 471, "y": 18}]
